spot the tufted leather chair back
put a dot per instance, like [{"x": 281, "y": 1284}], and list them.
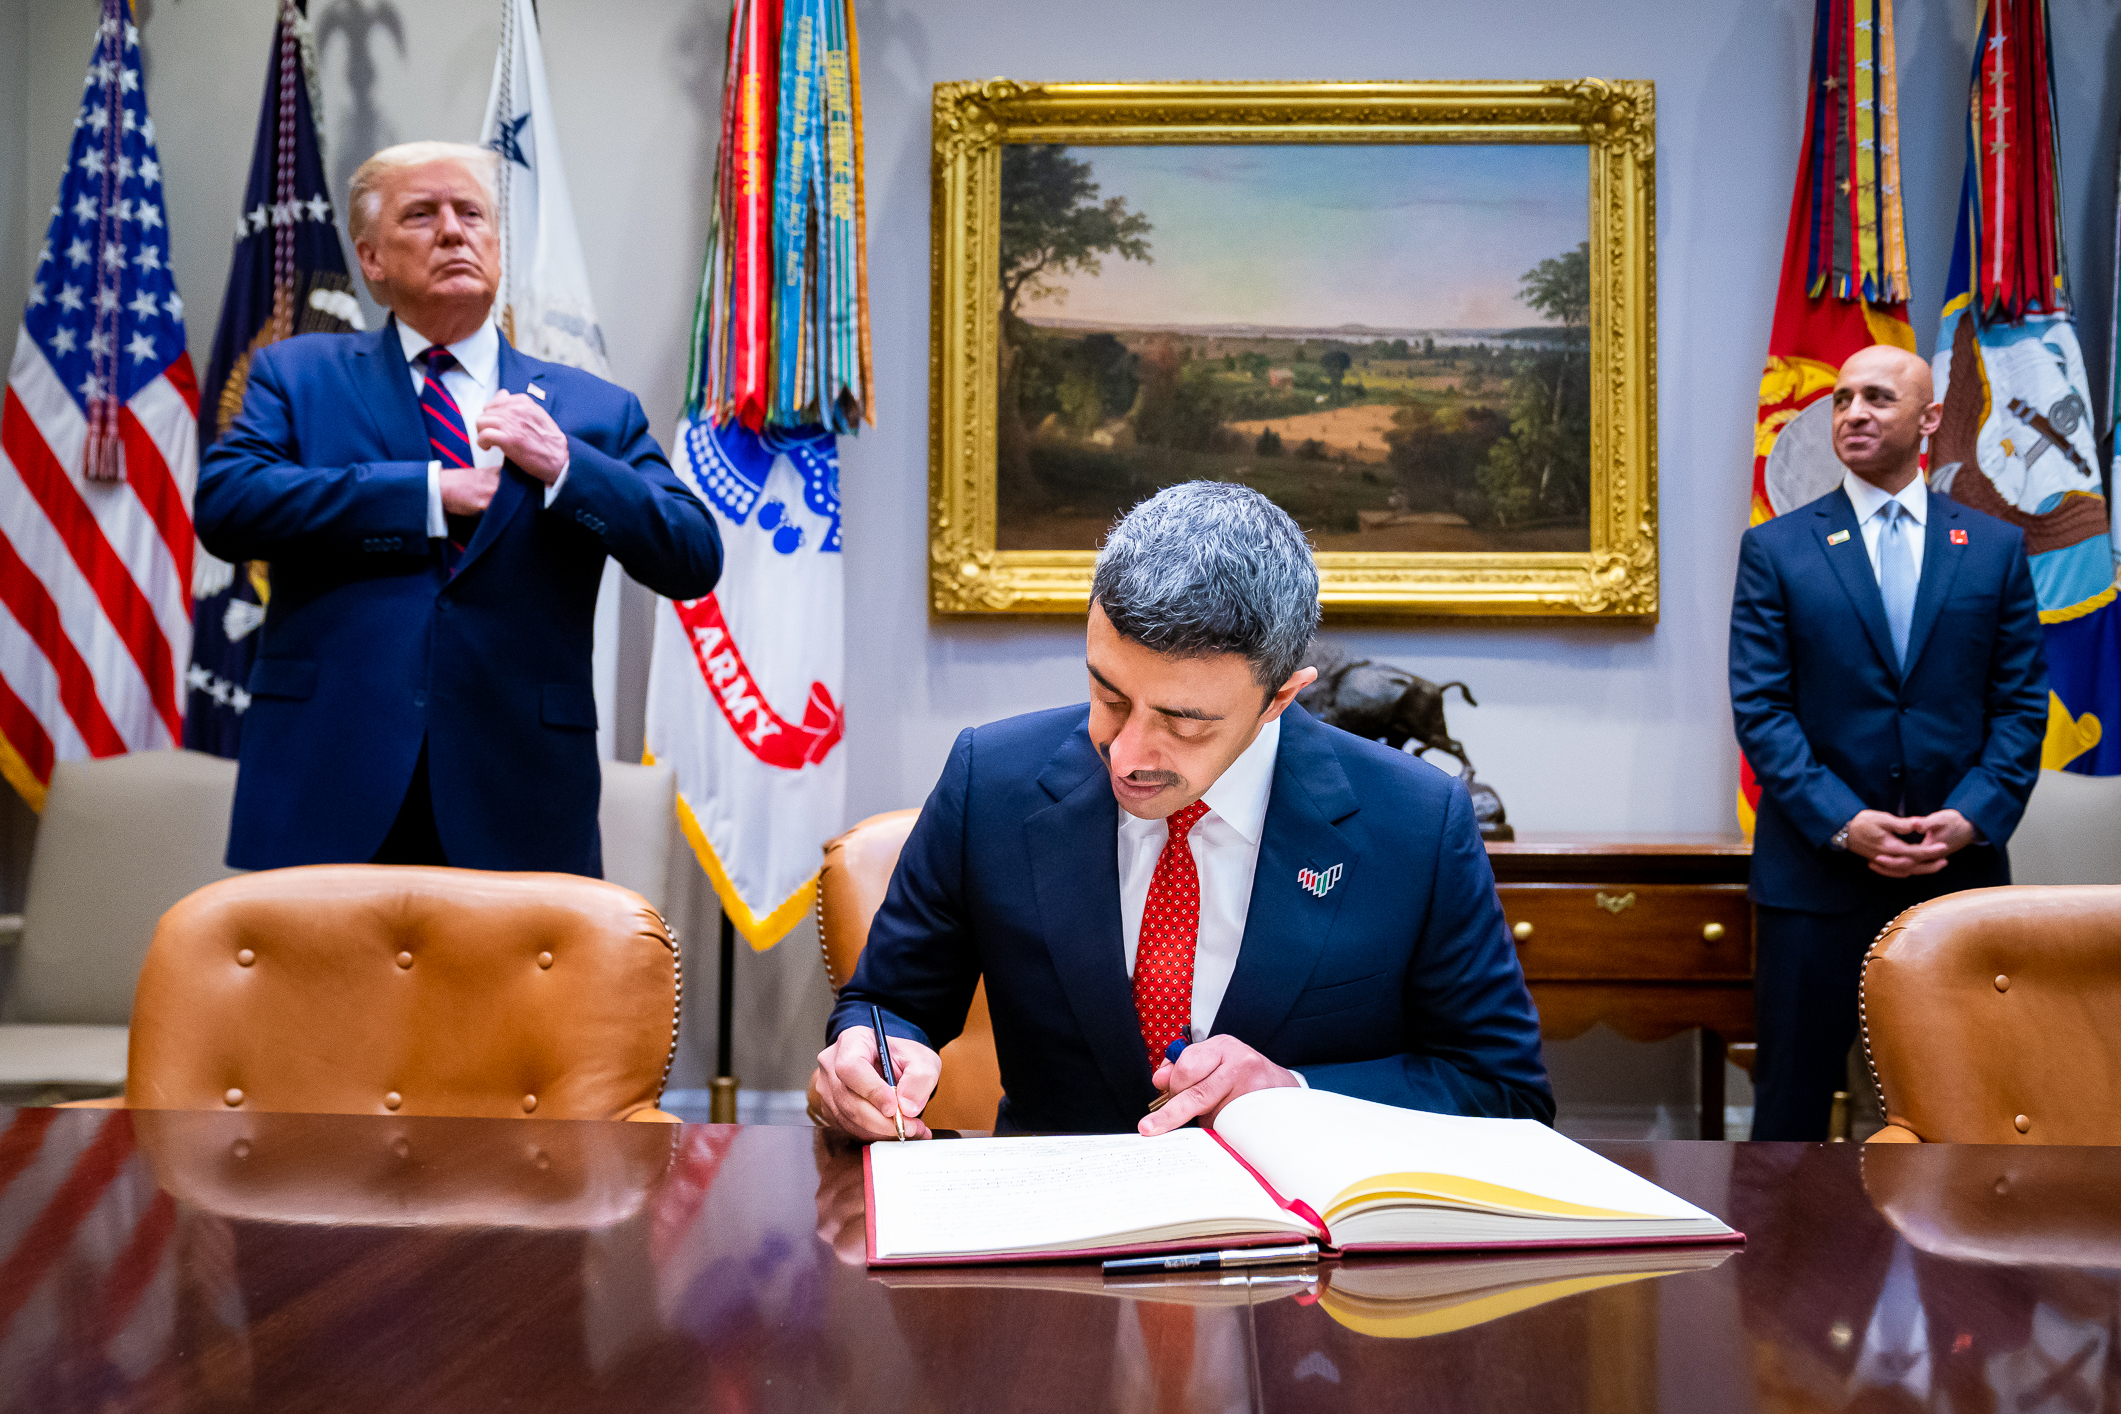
[
  {"x": 1993, "y": 1016},
  {"x": 851, "y": 887},
  {"x": 373, "y": 989}
]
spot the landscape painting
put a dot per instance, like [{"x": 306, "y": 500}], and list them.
[{"x": 1390, "y": 340}]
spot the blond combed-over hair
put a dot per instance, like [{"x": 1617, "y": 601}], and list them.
[{"x": 364, "y": 197}]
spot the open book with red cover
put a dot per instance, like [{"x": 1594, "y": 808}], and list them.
[{"x": 1280, "y": 1165}]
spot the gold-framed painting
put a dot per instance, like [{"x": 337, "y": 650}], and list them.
[{"x": 1421, "y": 317}]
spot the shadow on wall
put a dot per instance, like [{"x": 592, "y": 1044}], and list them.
[{"x": 367, "y": 130}]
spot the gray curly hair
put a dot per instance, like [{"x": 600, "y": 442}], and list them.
[{"x": 1212, "y": 567}]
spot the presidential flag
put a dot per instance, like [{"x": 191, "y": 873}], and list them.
[
  {"x": 288, "y": 276},
  {"x": 98, "y": 453},
  {"x": 544, "y": 306},
  {"x": 1844, "y": 266},
  {"x": 2017, "y": 440},
  {"x": 744, "y": 694}
]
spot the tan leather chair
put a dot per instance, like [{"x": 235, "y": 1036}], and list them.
[
  {"x": 1994, "y": 1017},
  {"x": 372, "y": 989},
  {"x": 851, "y": 886}
]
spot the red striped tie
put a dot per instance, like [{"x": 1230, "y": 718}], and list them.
[
  {"x": 446, "y": 433},
  {"x": 1163, "y": 959}
]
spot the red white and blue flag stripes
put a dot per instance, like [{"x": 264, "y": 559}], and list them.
[{"x": 98, "y": 455}]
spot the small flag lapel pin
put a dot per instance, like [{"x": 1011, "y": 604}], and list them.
[
  {"x": 1958, "y": 537},
  {"x": 537, "y": 392},
  {"x": 1837, "y": 537},
  {"x": 1318, "y": 882}
]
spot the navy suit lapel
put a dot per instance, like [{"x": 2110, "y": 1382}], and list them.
[
  {"x": 1287, "y": 925},
  {"x": 1852, "y": 565},
  {"x": 1074, "y": 846},
  {"x": 1940, "y": 566},
  {"x": 517, "y": 485},
  {"x": 383, "y": 386}
]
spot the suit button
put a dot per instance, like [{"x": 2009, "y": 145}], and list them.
[
  {"x": 419, "y": 699},
  {"x": 1894, "y": 773},
  {"x": 442, "y": 607}
]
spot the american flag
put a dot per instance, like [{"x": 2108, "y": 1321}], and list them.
[{"x": 98, "y": 454}]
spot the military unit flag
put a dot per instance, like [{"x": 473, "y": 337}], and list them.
[
  {"x": 98, "y": 453},
  {"x": 1844, "y": 282},
  {"x": 288, "y": 276},
  {"x": 2017, "y": 440},
  {"x": 744, "y": 688}
]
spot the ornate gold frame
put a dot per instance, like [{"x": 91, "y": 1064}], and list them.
[{"x": 1616, "y": 579}]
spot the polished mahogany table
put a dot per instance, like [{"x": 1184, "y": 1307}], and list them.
[{"x": 154, "y": 1261}]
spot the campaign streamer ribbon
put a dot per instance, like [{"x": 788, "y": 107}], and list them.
[
  {"x": 751, "y": 216},
  {"x": 796, "y": 173}
]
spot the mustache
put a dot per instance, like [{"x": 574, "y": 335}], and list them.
[{"x": 1140, "y": 778}]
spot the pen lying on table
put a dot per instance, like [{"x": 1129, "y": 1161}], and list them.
[
  {"x": 1214, "y": 1261},
  {"x": 883, "y": 1063}
]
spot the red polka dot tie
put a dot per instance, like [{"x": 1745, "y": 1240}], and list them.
[{"x": 1163, "y": 960}]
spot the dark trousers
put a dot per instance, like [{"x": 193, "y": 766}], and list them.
[
  {"x": 413, "y": 838},
  {"x": 1806, "y": 968}
]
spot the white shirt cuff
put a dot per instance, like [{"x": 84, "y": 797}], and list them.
[
  {"x": 552, "y": 492},
  {"x": 1301, "y": 1083},
  {"x": 437, "y": 523}
]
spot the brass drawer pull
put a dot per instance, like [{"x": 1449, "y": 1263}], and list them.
[
  {"x": 1712, "y": 933},
  {"x": 1522, "y": 932},
  {"x": 1616, "y": 906}
]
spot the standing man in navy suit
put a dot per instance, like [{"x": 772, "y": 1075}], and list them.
[
  {"x": 1891, "y": 697},
  {"x": 1191, "y": 857},
  {"x": 436, "y": 508}
]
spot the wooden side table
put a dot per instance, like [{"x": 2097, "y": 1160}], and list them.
[{"x": 1651, "y": 935}]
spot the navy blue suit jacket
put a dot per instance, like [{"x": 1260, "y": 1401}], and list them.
[
  {"x": 1399, "y": 985},
  {"x": 371, "y": 648},
  {"x": 1831, "y": 726}
]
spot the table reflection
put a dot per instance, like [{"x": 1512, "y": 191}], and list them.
[
  {"x": 255, "y": 1262},
  {"x": 1970, "y": 1279}
]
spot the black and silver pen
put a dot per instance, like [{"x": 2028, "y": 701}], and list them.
[
  {"x": 883, "y": 1061},
  {"x": 1214, "y": 1261}
]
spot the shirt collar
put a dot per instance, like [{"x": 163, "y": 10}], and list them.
[
  {"x": 1239, "y": 796},
  {"x": 1868, "y": 499},
  {"x": 479, "y": 351}
]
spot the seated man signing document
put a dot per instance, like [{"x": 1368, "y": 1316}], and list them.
[{"x": 1191, "y": 857}]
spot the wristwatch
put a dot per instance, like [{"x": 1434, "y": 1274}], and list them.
[{"x": 1840, "y": 840}]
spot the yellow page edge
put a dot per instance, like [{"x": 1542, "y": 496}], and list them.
[{"x": 1470, "y": 1191}]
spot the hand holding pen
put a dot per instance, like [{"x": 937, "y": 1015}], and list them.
[
  {"x": 883, "y": 1065},
  {"x": 1198, "y": 1079},
  {"x": 850, "y": 1091}
]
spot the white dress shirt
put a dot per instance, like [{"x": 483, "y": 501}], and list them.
[
  {"x": 473, "y": 382},
  {"x": 1225, "y": 844},
  {"x": 1869, "y": 501}
]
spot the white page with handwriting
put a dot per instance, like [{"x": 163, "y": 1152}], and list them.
[{"x": 961, "y": 1197}]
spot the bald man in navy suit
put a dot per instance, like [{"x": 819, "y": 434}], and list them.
[{"x": 1890, "y": 695}]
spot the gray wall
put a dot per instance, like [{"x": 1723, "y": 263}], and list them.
[{"x": 1581, "y": 727}]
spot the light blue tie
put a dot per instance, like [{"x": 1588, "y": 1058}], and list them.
[{"x": 1897, "y": 575}]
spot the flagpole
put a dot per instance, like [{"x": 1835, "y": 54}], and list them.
[{"x": 721, "y": 1101}]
